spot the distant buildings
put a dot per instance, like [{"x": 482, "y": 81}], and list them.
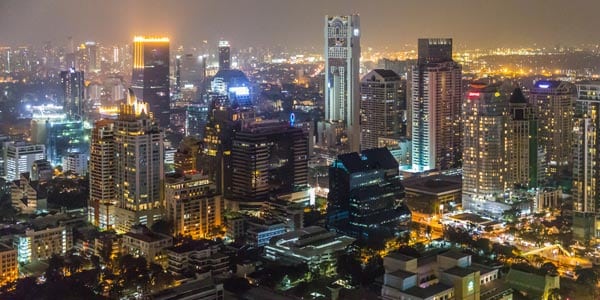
[
  {"x": 436, "y": 97},
  {"x": 365, "y": 194},
  {"x": 224, "y": 55},
  {"x": 150, "y": 77},
  {"x": 380, "y": 105},
  {"x": 61, "y": 136},
  {"x": 341, "y": 128},
  {"x": 73, "y": 87}
]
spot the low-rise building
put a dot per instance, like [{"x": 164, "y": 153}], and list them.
[
  {"x": 37, "y": 244},
  {"x": 140, "y": 241},
  {"x": 260, "y": 231},
  {"x": 28, "y": 196},
  {"x": 433, "y": 194},
  {"x": 311, "y": 245},
  {"x": 202, "y": 289},
  {"x": 199, "y": 256},
  {"x": 9, "y": 267}
]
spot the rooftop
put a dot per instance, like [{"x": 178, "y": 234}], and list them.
[
  {"x": 436, "y": 184},
  {"x": 460, "y": 272},
  {"x": 429, "y": 291},
  {"x": 400, "y": 256},
  {"x": 195, "y": 245},
  {"x": 402, "y": 274},
  {"x": 454, "y": 254}
]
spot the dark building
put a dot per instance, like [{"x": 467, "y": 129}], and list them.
[
  {"x": 235, "y": 85},
  {"x": 196, "y": 116},
  {"x": 523, "y": 142},
  {"x": 73, "y": 86},
  {"x": 224, "y": 55},
  {"x": 150, "y": 77},
  {"x": 365, "y": 194},
  {"x": 268, "y": 158}
]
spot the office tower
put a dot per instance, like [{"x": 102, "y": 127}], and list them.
[
  {"x": 267, "y": 158},
  {"x": 196, "y": 116},
  {"x": 150, "y": 80},
  {"x": 380, "y": 104},
  {"x": 186, "y": 156},
  {"x": 192, "y": 70},
  {"x": 73, "y": 87},
  {"x": 365, "y": 195},
  {"x": 586, "y": 162},
  {"x": 436, "y": 100},
  {"x": 41, "y": 170},
  {"x": 522, "y": 147},
  {"x": 93, "y": 63},
  {"x": 193, "y": 206},
  {"x": 178, "y": 84},
  {"x": 62, "y": 136},
  {"x": 139, "y": 150},
  {"x": 342, "y": 89},
  {"x": 484, "y": 153},
  {"x": 102, "y": 175},
  {"x": 223, "y": 121},
  {"x": 553, "y": 103},
  {"x": 224, "y": 55},
  {"x": 235, "y": 85},
  {"x": 75, "y": 162},
  {"x": 19, "y": 157}
]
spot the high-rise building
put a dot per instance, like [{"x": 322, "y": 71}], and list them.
[
  {"x": 139, "y": 159},
  {"x": 192, "y": 70},
  {"x": 522, "y": 145},
  {"x": 102, "y": 168},
  {"x": 436, "y": 99},
  {"x": 342, "y": 86},
  {"x": 586, "y": 162},
  {"x": 224, "y": 55},
  {"x": 553, "y": 103},
  {"x": 380, "y": 104},
  {"x": 365, "y": 195},
  {"x": 196, "y": 116},
  {"x": 19, "y": 157},
  {"x": 62, "y": 136},
  {"x": 93, "y": 57},
  {"x": 73, "y": 87},
  {"x": 484, "y": 153},
  {"x": 267, "y": 158},
  {"x": 235, "y": 85},
  {"x": 193, "y": 206},
  {"x": 150, "y": 80}
]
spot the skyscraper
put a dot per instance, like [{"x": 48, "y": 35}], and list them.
[
  {"x": 522, "y": 145},
  {"x": 365, "y": 194},
  {"x": 553, "y": 103},
  {"x": 150, "y": 80},
  {"x": 484, "y": 154},
  {"x": 267, "y": 158},
  {"x": 73, "y": 87},
  {"x": 224, "y": 55},
  {"x": 436, "y": 107},
  {"x": 342, "y": 87},
  {"x": 139, "y": 151},
  {"x": 93, "y": 63},
  {"x": 102, "y": 175},
  {"x": 380, "y": 105},
  {"x": 586, "y": 162}
]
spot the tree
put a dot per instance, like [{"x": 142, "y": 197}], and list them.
[
  {"x": 483, "y": 244},
  {"x": 587, "y": 277},
  {"x": 348, "y": 265},
  {"x": 55, "y": 270},
  {"x": 549, "y": 268}
]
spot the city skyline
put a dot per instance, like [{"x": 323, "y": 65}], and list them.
[{"x": 269, "y": 23}]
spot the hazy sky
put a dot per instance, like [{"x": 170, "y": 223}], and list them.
[{"x": 385, "y": 23}]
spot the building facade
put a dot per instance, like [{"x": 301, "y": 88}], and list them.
[
  {"x": 19, "y": 158},
  {"x": 72, "y": 82},
  {"x": 102, "y": 166},
  {"x": 436, "y": 97},
  {"x": 342, "y": 86},
  {"x": 224, "y": 55}
]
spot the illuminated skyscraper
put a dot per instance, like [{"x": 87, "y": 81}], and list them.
[
  {"x": 586, "y": 163},
  {"x": 553, "y": 103},
  {"x": 342, "y": 86},
  {"x": 139, "y": 151},
  {"x": 436, "y": 100},
  {"x": 380, "y": 103},
  {"x": 522, "y": 145},
  {"x": 93, "y": 57},
  {"x": 102, "y": 170},
  {"x": 484, "y": 153},
  {"x": 150, "y": 80},
  {"x": 73, "y": 87},
  {"x": 224, "y": 55}
]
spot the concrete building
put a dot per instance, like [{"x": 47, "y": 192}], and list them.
[
  {"x": 102, "y": 166},
  {"x": 199, "y": 289},
  {"x": 436, "y": 97},
  {"x": 75, "y": 162},
  {"x": 72, "y": 82},
  {"x": 224, "y": 55},
  {"x": 198, "y": 256},
  {"x": 485, "y": 165},
  {"x": 342, "y": 86},
  {"x": 435, "y": 194},
  {"x": 28, "y": 196},
  {"x": 553, "y": 103},
  {"x": 381, "y": 107},
  {"x": 260, "y": 231},
  {"x": 41, "y": 170},
  {"x": 141, "y": 242},
  {"x": 522, "y": 142},
  {"x": 9, "y": 266},
  {"x": 311, "y": 245},
  {"x": 40, "y": 243},
  {"x": 193, "y": 206},
  {"x": 19, "y": 158}
]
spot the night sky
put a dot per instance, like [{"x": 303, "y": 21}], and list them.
[{"x": 385, "y": 23}]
